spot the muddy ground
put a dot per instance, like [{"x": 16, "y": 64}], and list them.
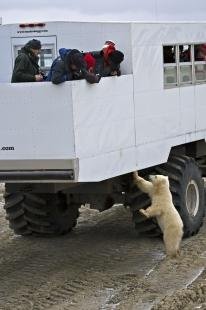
[{"x": 102, "y": 264}]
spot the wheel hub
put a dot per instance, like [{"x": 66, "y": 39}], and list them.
[{"x": 192, "y": 198}]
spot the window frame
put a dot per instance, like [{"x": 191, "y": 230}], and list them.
[
  {"x": 168, "y": 65},
  {"x": 179, "y": 64}
]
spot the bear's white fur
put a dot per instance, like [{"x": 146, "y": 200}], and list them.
[{"x": 163, "y": 209}]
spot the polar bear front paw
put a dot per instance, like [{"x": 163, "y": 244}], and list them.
[{"x": 144, "y": 212}]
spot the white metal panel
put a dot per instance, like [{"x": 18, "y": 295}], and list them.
[
  {"x": 103, "y": 116},
  {"x": 107, "y": 165},
  {"x": 167, "y": 33},
  {"x": 147, "y": 67},
  {"x": 15, "y": 105},
  {"x": 151, "y": 154},
  {"x": 187, "y": 109},
  {"x": 6, "y": 56},
  {"x": 52, "y": 121},
  {"x": 96, "y": 140},
  {"x": 199, "y": 135},
  {"x": 200, "y": 95},
  {"x": 157, "y": 115},
  {"x": 37, "y": 121},
  {"x": 155, "y": 153}
]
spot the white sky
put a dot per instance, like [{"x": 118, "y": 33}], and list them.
[{"x": 13, "y": 11}]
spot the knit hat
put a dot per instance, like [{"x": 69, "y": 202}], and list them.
[
  {"x": 116, "y": 57},
  {"x": 34, "y": 44},
  {"x": 107, "y": 51},
  {"x": 77, "y": 59},
  {"x": 108, "y": 42}
]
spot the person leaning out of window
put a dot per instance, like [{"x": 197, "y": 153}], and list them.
[
  {"x": 26, "y": 68},
  {"x": 73, "y": 66},
  {"x": 108, "y": 60}
]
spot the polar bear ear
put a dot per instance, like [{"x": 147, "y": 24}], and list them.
[
  {"x": 166, "y": 179},
  {"x": 162, "y": 178}
]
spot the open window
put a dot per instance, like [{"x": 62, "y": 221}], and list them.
[
  {"x": 170, "y": 65},
  {"x": 48, "y": 50},
  {"x": 200, "y": 62},
  {"x": 185, "y": 64}
]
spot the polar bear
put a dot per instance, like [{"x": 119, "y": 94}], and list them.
[{"x": 163, "y": 209}]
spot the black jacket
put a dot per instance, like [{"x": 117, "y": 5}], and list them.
[
  {"x": 25, "y": 67},
  {"x": 101, "y": 67},
  {"x": 61, "y": 71}
]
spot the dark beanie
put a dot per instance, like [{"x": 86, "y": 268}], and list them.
[
  {"x": 77, "y": 59},
  {"x": 116, "y": 57},
  {"x": 73, "y": 52},
  {"x": 35, "y": 44}
]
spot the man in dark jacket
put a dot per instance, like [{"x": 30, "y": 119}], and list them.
[
  {"x": 26, "y": 68},
  {"x": 72, "y": 67},
  {"x": 108, "y": 60}
]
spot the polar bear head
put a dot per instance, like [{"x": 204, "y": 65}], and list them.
[{"x": 159, "y": 180}]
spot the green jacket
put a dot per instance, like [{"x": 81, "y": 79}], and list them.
[{"x": 25, "y": 67}]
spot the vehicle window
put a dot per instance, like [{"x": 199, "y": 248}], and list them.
[
  {"x": 185, "y": 64},
  {"x": 200, "y": 62},
  {"x": 170, "y": 65},
  {"x": 169, "y": 54},
  {"x": 185, "y": 53},
  {"x": 200, "y": 52}
]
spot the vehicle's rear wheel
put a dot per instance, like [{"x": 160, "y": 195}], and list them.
[
  {"x": 187, "y": 188},
  {"x": 40, "y": 214}
]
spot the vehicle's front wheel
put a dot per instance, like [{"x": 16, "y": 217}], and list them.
[{"x": 40, "y": 214}]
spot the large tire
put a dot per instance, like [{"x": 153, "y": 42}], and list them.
[
  {"x": 137, "y": 200},
  {"x": 187, "y": 188},
  {"x": 40, "y": 214}
]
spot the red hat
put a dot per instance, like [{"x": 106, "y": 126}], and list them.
[
  {"x": 108, "y": 42},
  {"x": 90, "y": 61},
  {"x": 107, "y": 51}
]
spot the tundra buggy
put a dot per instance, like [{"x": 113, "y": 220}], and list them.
[{"x": 66, "y": 145}]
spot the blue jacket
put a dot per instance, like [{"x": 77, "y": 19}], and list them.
[
  {"x": 62, "y": 52},
  {"x": 61, "y": 70}
]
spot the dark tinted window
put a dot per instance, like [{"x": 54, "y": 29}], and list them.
[{"x": 169, "y": 54}]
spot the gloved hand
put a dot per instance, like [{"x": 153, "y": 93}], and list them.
[
  {"x": 98, "y": 77},
  {"x": 92, "y": 78}
]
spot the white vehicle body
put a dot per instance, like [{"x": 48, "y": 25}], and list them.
[{"x": 103, "y": 130}]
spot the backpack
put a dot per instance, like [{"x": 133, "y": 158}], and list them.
[
  {"x": 62, "y": 53},
  {"x": 49, "y": 75}
]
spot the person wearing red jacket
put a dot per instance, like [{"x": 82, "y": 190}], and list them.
[{"x": 108, "y": 60}]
